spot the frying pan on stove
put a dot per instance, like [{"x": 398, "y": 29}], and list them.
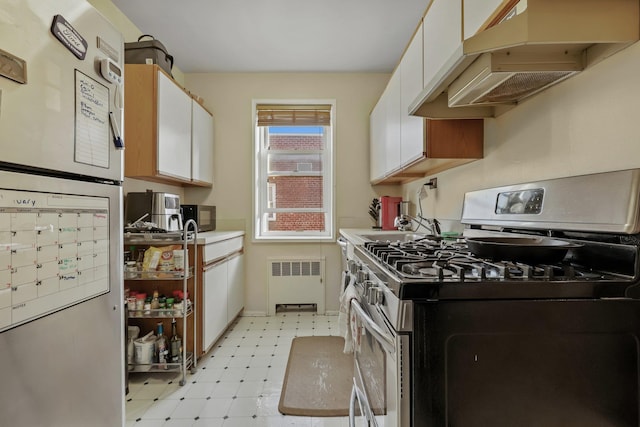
[{"x": 534, "y": 250}]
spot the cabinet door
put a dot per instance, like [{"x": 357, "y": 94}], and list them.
[
  {"x": 477, "y": 13},
  {"x": 377, "y": 136},
  {"x": 214, "y": 299},
  {"x": 235, "y": 290},
  {"x": 442, "y": 28},
  {"x": 174, "y": 129},
  {"x": 392, "y": 140},
  {"x": 201, "y": 144},
  {"x": 411, "y": 127}
]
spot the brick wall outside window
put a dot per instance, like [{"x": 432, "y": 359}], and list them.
[{"x": 297, "y": 191}]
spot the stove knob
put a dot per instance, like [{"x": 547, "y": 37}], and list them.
[
  {"x": 375, "y": 295},
  {"x": 362, "y": 276},
  {"x": 352, "y": 266}
]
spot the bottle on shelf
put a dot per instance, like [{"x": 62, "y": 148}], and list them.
[
  {"x": 175, "y": 343},
  {"x": 140, "y": 258},
  {"x": 161, "y": 347},
  {"x": 155, "y": 300}
]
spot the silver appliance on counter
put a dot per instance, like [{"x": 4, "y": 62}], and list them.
[
  {"x": 61, "y": 297},
  {"x": 533, "y": 315},
  {"x": 158, "y": 208}
]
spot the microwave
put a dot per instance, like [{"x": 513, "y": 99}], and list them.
[{"x": 203, "y": 215}]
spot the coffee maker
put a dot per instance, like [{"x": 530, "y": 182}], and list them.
[{"x": 161, "y": 209}]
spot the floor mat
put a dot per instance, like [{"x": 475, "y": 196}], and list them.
[{"x": 318, "y": 378}]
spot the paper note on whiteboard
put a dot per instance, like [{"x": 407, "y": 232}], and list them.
[{"x": 92, "y": 122}]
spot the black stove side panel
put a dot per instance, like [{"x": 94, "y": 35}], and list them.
[{"x": 540, "y": 363}]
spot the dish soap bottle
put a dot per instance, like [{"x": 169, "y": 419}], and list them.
[{"x": 175, "y": 343}]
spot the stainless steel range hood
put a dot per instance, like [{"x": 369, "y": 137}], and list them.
[
  {"x": 549, "y": 41},
  {"x": 498, "y": 78}
]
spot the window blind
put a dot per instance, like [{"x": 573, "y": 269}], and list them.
[{"x": 293, "y": 115}]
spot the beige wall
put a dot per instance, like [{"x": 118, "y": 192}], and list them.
[
  {"x": 228, "y": 97},
  {"x": 129, "y": 31},
  {"x": 588, "y": 123},
  {"x": 585, "y": 124}
]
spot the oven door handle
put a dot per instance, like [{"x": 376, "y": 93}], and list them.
[
  {"x": 359, "y": 397},
  {"x": 387, "y": 341},
  {"x": 352, "y": 406}
]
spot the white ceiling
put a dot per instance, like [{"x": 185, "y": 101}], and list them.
[{"x": 279, "y": 35}]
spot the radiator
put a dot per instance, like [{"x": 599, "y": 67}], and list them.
[{"x": 295, "y": 281}]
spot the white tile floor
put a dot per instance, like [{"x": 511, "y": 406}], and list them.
[{"x": 237, "y": 383}]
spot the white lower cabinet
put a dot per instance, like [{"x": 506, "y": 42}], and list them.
[
  {"x": 222, "y": 288},
  {"x": 214, "y": 296},
  {"x": 235, "y": 286}
]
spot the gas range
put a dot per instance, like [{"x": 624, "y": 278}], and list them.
[
  {"x": 517, "y": 324},
  {"x": 437, "y": 268}
]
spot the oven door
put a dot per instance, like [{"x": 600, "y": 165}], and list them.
[{"x": 374, "y": 398}]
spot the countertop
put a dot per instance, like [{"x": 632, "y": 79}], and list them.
[{"x": 217, "y": 236}]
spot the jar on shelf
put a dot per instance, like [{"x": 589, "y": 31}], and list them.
[
  {"x": 147, "y": 306},
  {"x": 140, "y": 297},
  {"x": 130, "y": 270},
  {"x": 169, "y": 306},
  {"x": 162, "y": 303}
]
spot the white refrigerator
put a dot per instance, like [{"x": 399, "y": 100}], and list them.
[{"x": 61, "y": 166}]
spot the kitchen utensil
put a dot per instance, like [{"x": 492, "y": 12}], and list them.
[{"x": 537, "y": 250}]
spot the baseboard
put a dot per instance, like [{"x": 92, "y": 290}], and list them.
[{"x": 246, "y": 313}]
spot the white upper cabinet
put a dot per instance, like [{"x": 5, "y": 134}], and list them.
[
  {"x": 442, "y": 45},
  {"x": 411, "y": 84},
  {"x": 174, "y": 129},
  {"x": 164, "y": 130},
  {"x": 477, "y": 13},
  {"x": 201, "y": 145},
  {"x": 377, "y": 136},
  {"x": 391, "y": 97}
]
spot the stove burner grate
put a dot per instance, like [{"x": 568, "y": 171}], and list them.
[{"x": 451, "y": 261}]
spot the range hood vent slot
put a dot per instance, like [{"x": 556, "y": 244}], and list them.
[
  {"x": 521, "y": 85},
  {"x": 496, "y": 78}
]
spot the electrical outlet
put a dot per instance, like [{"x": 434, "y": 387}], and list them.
[{"x": 432, "y": 183}]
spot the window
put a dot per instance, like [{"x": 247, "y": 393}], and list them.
[{"x": 293, "y": 196}]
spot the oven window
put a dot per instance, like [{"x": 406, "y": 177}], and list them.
[{"x": 371, "y": 358}]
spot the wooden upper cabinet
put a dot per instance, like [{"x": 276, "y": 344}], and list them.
[
  {"x": 159, "y": 131},
  {"x": 445, "y": 144},
  {"x": 454, "y": 139}
]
